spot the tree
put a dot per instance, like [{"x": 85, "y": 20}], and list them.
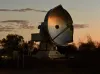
[{"x": 12, "y": 42}]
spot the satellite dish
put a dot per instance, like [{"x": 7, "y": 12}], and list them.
[
  {"x": 56, "y": 30},
  {"x": 59, "y": 26}
]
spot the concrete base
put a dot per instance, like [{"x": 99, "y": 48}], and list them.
[{"x": 48, "y": 54}]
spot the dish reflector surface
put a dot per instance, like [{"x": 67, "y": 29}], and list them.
[{"x": 59, "y": 25}]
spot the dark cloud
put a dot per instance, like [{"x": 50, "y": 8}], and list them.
[
  {"x": 20, "y": 24},
  {"x": 40, "y": 10},
  {"x": 23, "y": 10},
  {"x": 6, "y": 28},
  {"x": 15, "y": 21},
  {"x": 78, "y": 26},
  {"x": 26, "y": 27}
]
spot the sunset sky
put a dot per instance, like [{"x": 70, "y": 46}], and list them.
[{"x": 81, "y": 11}]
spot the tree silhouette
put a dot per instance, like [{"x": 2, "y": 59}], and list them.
[
  {"x": 88, "y": 46},
  {"x": 12, "y": 42}
]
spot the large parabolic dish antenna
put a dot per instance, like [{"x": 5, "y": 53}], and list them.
[
  {"x": 56, "y": 30},
  {"x": 59, "y": 26}
]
